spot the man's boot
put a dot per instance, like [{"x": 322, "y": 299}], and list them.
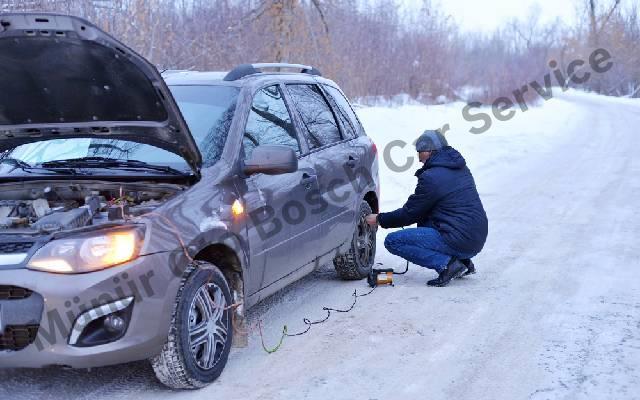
[
  {"x": 454, "y": 270},
  {"x": 471, "y": 269}
]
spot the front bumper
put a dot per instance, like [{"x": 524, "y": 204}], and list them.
[{"x": 149, "y": 280}]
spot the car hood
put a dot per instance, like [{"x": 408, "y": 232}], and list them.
[{"x": 62, "y": 77}]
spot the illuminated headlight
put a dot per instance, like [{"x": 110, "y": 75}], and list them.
[{"x": 88, "y": 253}]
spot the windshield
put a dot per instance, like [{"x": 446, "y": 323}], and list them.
[
  {"x": 65, "y": 149},
  {"x": 208, "y": 111}
]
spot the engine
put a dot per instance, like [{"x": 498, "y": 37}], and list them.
[{"x": 59, "y": 206}]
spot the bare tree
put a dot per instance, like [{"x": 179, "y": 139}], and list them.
[
  {"x": 374, "y": 48},
  {"x": 597, "y": 23}
]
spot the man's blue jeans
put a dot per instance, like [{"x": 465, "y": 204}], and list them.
[{"x": 422, "y": 246}]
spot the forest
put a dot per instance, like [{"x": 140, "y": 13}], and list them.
[{"x": 377, "y": 49}]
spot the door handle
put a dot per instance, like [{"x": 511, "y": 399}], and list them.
[
  {"x": 351, "y": 162},
  {"x": 308, "y": 180}
]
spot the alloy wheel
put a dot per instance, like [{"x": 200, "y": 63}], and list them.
[{"x": 208, "y": 326}]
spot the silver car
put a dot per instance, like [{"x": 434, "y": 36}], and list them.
[{"x": 141, "y": 215}]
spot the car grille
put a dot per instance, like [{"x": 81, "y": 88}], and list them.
[
  {"x": 18, "y": 337},
  {"x": 13, "y": 293},
  {"x": 15, "y": 247}
]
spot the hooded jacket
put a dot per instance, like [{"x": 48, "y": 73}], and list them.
[{"x": 447, "y": 200}]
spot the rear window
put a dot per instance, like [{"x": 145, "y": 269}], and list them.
[
  {"x": 344, "y": 108},
  {"x": 319, "y": 121},
  {"x": 208, "y": 111}
]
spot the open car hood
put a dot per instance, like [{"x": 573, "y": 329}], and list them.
[{"x": 62, "y": 77}]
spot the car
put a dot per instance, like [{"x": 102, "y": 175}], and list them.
[{"x": 142, "y": 214}]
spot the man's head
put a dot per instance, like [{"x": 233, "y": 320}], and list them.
[{"x": 428, "y": 143}]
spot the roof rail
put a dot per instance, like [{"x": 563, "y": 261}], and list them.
[{"x": 243, "y": 70}]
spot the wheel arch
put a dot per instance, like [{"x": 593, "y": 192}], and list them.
[{"x": 223, "y": 256}]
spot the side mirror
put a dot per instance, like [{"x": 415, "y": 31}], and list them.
[{"x": 271, "y": 160}]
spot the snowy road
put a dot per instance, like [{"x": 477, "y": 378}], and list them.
[{"x": 554, "y": 312}]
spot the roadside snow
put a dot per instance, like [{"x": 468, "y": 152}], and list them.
[{"x": 527, "y": 135}]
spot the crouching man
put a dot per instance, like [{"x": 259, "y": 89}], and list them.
[{"x": 451, "y": 222}]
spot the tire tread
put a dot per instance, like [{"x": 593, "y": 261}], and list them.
[
  {"x": 169, "y": 365},
  {"x": 347, "y": 265}
]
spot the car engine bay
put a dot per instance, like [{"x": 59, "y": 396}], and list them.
[{"x": 48, "y": 207}]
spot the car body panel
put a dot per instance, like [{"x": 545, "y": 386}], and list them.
[
  {"x": 280, "y": 235},
  {"x": 67, "y": 295}
]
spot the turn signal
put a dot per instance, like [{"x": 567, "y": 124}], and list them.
[{"x": 237, "y": 209}]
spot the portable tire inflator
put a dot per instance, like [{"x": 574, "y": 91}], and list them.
[{"x": 380, "y": 277}]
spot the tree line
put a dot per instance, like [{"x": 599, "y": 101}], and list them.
[{"x": 373, "y": 49}]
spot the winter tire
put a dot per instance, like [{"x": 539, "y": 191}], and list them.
[
  {"x": 358, "y": 261},
  {"x": 201, "y": 330}
]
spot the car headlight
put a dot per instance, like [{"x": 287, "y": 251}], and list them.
[{"x": 76, "y": 255}]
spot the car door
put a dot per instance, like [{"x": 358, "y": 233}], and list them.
[
  {"x": 278, "y": 231},
  {"x": 360, "y": 153},
  {"x": 332, "y": 158}
]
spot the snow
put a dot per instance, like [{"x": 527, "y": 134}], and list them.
[
  {"x": 539, "y": 130},
  {"x": 553, "y": 313}
]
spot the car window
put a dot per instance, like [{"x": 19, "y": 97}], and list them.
[
  {"x": 269, "y": 122},
  {"x": 64, "y": 149},
  {"x": 347, "y": 127},
  {"x": 208, "y": 111},
  {"x": 321, "y": 126},
  {"x": 344, "y": 108}
]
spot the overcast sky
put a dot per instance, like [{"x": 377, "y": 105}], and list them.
[{"x": 486, "y": 15}]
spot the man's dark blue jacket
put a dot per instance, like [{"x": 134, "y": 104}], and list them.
[{"x": 446, "y": 199}]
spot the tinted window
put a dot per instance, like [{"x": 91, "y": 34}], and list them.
[
  {"x": 320, "y": 124},
  {"x": 208, "y": 111},
  {"x": 269, "y": 122},
  {"x": 347, "y": 127},
  {"x": 345, "y": 111}
]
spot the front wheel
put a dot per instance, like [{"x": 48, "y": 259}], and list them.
[
  {"x": 201, "y": 331},
  {"x": 358, "y": 261}
]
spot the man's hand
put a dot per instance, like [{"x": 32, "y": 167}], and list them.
[{"x": 372, "y": 219}]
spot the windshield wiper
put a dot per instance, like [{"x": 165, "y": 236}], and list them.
[
  {"x": 26, "y": 167},
  {"x": 15, "y": 162},
  {"x": 103, "y": 162}
]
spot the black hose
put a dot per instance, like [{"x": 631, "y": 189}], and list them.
[{"x": 398, "y": 273}]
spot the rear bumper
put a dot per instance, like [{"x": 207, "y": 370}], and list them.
[{"x": 149, "y": 280}]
